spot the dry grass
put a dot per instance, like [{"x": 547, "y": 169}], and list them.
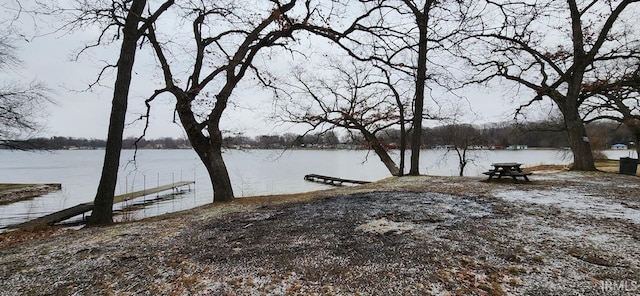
[
  {"x": 10, "y": 186},
  {"x": 605, "y": 165},
  {"x": 547, "y": 167},
  {"x": 10, "y": 238},
  {"x": 611, "y": 166}
]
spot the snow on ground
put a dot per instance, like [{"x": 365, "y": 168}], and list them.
[{"x": 573, "y": 200}]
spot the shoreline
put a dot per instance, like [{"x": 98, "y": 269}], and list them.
[{"x": 12, "y": 192}]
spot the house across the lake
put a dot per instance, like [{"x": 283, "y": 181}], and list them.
[
  {"x": 517, "y": 147},
  {"x": 619, "y": 147}
]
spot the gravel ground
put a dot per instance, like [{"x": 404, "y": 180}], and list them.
[{"x": 562, "y": 234}]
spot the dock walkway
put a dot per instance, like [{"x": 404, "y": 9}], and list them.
[
  {"x": 65, "y": 214},
  {"x": 331, "y": 180}
]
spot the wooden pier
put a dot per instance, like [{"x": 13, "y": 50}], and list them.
[
  {"x": 332, "y": 180},
  {"x": 65, "y": 214}
]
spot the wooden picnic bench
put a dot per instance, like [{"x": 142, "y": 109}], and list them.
[{"x": 508, "y": 169}]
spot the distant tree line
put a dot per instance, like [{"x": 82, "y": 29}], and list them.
[
  {"x": 549, "y": 134},
  {"x": 58, "y": 143},
  {"x": 602, "y": 135}
]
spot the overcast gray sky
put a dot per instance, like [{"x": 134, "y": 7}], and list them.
[{"x": 81, "y": 113}]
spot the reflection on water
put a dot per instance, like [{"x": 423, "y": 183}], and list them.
[{"x": 252, "y": 172}]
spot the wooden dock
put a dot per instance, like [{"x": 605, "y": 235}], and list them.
[
  {"x": 332, "y": 180},
  {"x": 65, "y": 214}
]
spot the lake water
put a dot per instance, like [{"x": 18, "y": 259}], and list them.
[{"x": 252, "y": 172}]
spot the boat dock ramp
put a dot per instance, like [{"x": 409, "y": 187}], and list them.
[{"x": 80, "y": 209}]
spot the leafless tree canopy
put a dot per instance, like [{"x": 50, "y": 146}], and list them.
[
  {"x": 554, "y": 49},
  {"x": 22, "y": 106},
  {"x": 351, "y": 95},
  {"x": 409, "y": 39},
  {"x": 616, "y": 99},
  {"x": 345, "y": 94},
  {"x": 224, "y": 41},
  {"x": 613, "y": 98}
]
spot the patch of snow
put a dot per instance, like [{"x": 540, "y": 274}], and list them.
[
  {"x": 546, "y": 172},
  {"x": 574, "y": 201},
  {"x": 605, "y": 183},
  {"x": 383, "y": 226}
]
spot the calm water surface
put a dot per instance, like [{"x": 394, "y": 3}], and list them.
[{"x": 252, "y": 172}]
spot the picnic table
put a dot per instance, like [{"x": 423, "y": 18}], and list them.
[{"x": 508, "y": 169}]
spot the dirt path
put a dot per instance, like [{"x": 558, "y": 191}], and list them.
[{"x": 563, "y": 234}]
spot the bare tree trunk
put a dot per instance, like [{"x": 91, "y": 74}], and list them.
[
  {"x": 578, "y": 139},
  {"x": 103, "y": 202},
  {"x": 403, "y": 141},
  {"x": 403, "y": 129},
  {"x": 421, "y": 79},
  {"x": 209, "y": 149},
  {"x": 582, "y": 155},
  {"x": 218, "y": 173},
  {"x": 211, "y": 157},
  {"x": 462, "y": 160},
  {"x": 577, "y": 133},
  {"x": 381, "y": 152},
  {"x": 212, "y": 160}
]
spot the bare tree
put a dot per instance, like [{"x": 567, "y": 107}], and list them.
[
  {"x": 227, "y": 37},
  {"x": 462, "y": 137},
  {"x": 459, "y": 137},
  {"x": 21, "y": 105},
  {"x": 552, "y": 48},
  {"x": 400, "y": 35},
  {"x": 131, "y": 32},
  {"x": 358, "y": 97},
  {"x": 616, "y": 99},
  {"x": 398, "y": 95},
  {"x": 117, "y": 19},
  {"x": 421, "y": 14}
]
